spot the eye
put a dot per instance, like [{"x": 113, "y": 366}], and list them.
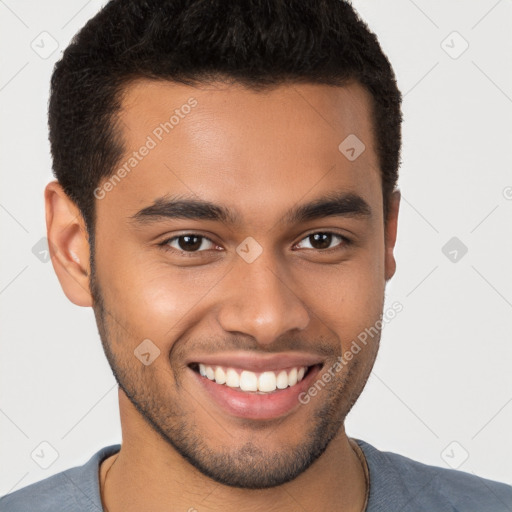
[
  {"x": 323, "y": 241},
  {"x": 188, "y": 242}
]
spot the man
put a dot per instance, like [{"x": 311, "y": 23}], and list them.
[{"x": 226, "y": 201}]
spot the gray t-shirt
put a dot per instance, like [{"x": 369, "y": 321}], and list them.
[{"x": 397, "y": 484}]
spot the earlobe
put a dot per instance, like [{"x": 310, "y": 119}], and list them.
[
  {"x": 391, "y": 233},
  {"x": 68, "y": 243}
]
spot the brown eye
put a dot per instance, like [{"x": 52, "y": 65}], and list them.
[
  {"x": 323, "y": 240},
  {"x": 188, "y": 243},
  {"x": 320, "y": 240}
]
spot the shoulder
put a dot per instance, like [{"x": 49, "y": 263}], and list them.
[
  {"x": 75, "y": 489},
  {"x": 417, "y": 486}
]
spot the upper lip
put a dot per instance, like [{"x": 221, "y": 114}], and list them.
[{"x": 258, "y": 363}]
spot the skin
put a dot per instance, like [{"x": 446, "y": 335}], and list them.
[{"x": 258, "y": 154}]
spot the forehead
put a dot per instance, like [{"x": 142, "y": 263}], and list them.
[{"x": 250, "y": 151}]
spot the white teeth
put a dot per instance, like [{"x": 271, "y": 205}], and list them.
[
  {"x": 210, "y": 373},
  {"x": 265, "y": 382},
  {"x": 248, "y": 381},
  {"x": 220, "y": 376},
  {"x": 282, "y": 380},
  {"x": 232, "y": 378}
]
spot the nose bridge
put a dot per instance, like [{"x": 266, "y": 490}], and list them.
[{"x": 259, "y": 301}]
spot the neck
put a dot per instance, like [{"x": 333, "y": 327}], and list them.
[{"x": 149, "y": 474}]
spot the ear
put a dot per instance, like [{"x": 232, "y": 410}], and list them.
[
  {"x": 390, "y": 234},
  {"x": 68, "y": 243}
]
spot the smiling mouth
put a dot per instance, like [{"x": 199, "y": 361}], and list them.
[{"x": 246, "y": 381}]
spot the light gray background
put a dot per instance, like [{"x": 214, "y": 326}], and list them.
[{"x": 441, "y": 389}]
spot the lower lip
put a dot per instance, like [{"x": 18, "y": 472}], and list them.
[{"x": 256, "y": 406}]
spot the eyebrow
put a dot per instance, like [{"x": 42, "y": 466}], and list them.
[
  {"x": 346, "y": 204},
  {"x": 177, "y": 207}
]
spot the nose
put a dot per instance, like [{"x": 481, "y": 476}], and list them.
[{"x": 258, "y": 301}]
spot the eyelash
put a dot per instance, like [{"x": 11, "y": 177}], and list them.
[{"x": 165, "y": 244}]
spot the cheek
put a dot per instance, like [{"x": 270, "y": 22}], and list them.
[
  {"x": 348, "y": 297},
  {"x": 158, "y": 298}
]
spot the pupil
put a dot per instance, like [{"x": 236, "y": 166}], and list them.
[
  {"x": 320, "y": 240},
  {"x": 189, "y": 243}
]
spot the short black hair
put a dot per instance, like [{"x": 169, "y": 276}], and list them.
[{"x": 257, "y": 43}]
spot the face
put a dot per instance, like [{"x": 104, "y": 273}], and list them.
[{"x": 242, "y": 238}]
